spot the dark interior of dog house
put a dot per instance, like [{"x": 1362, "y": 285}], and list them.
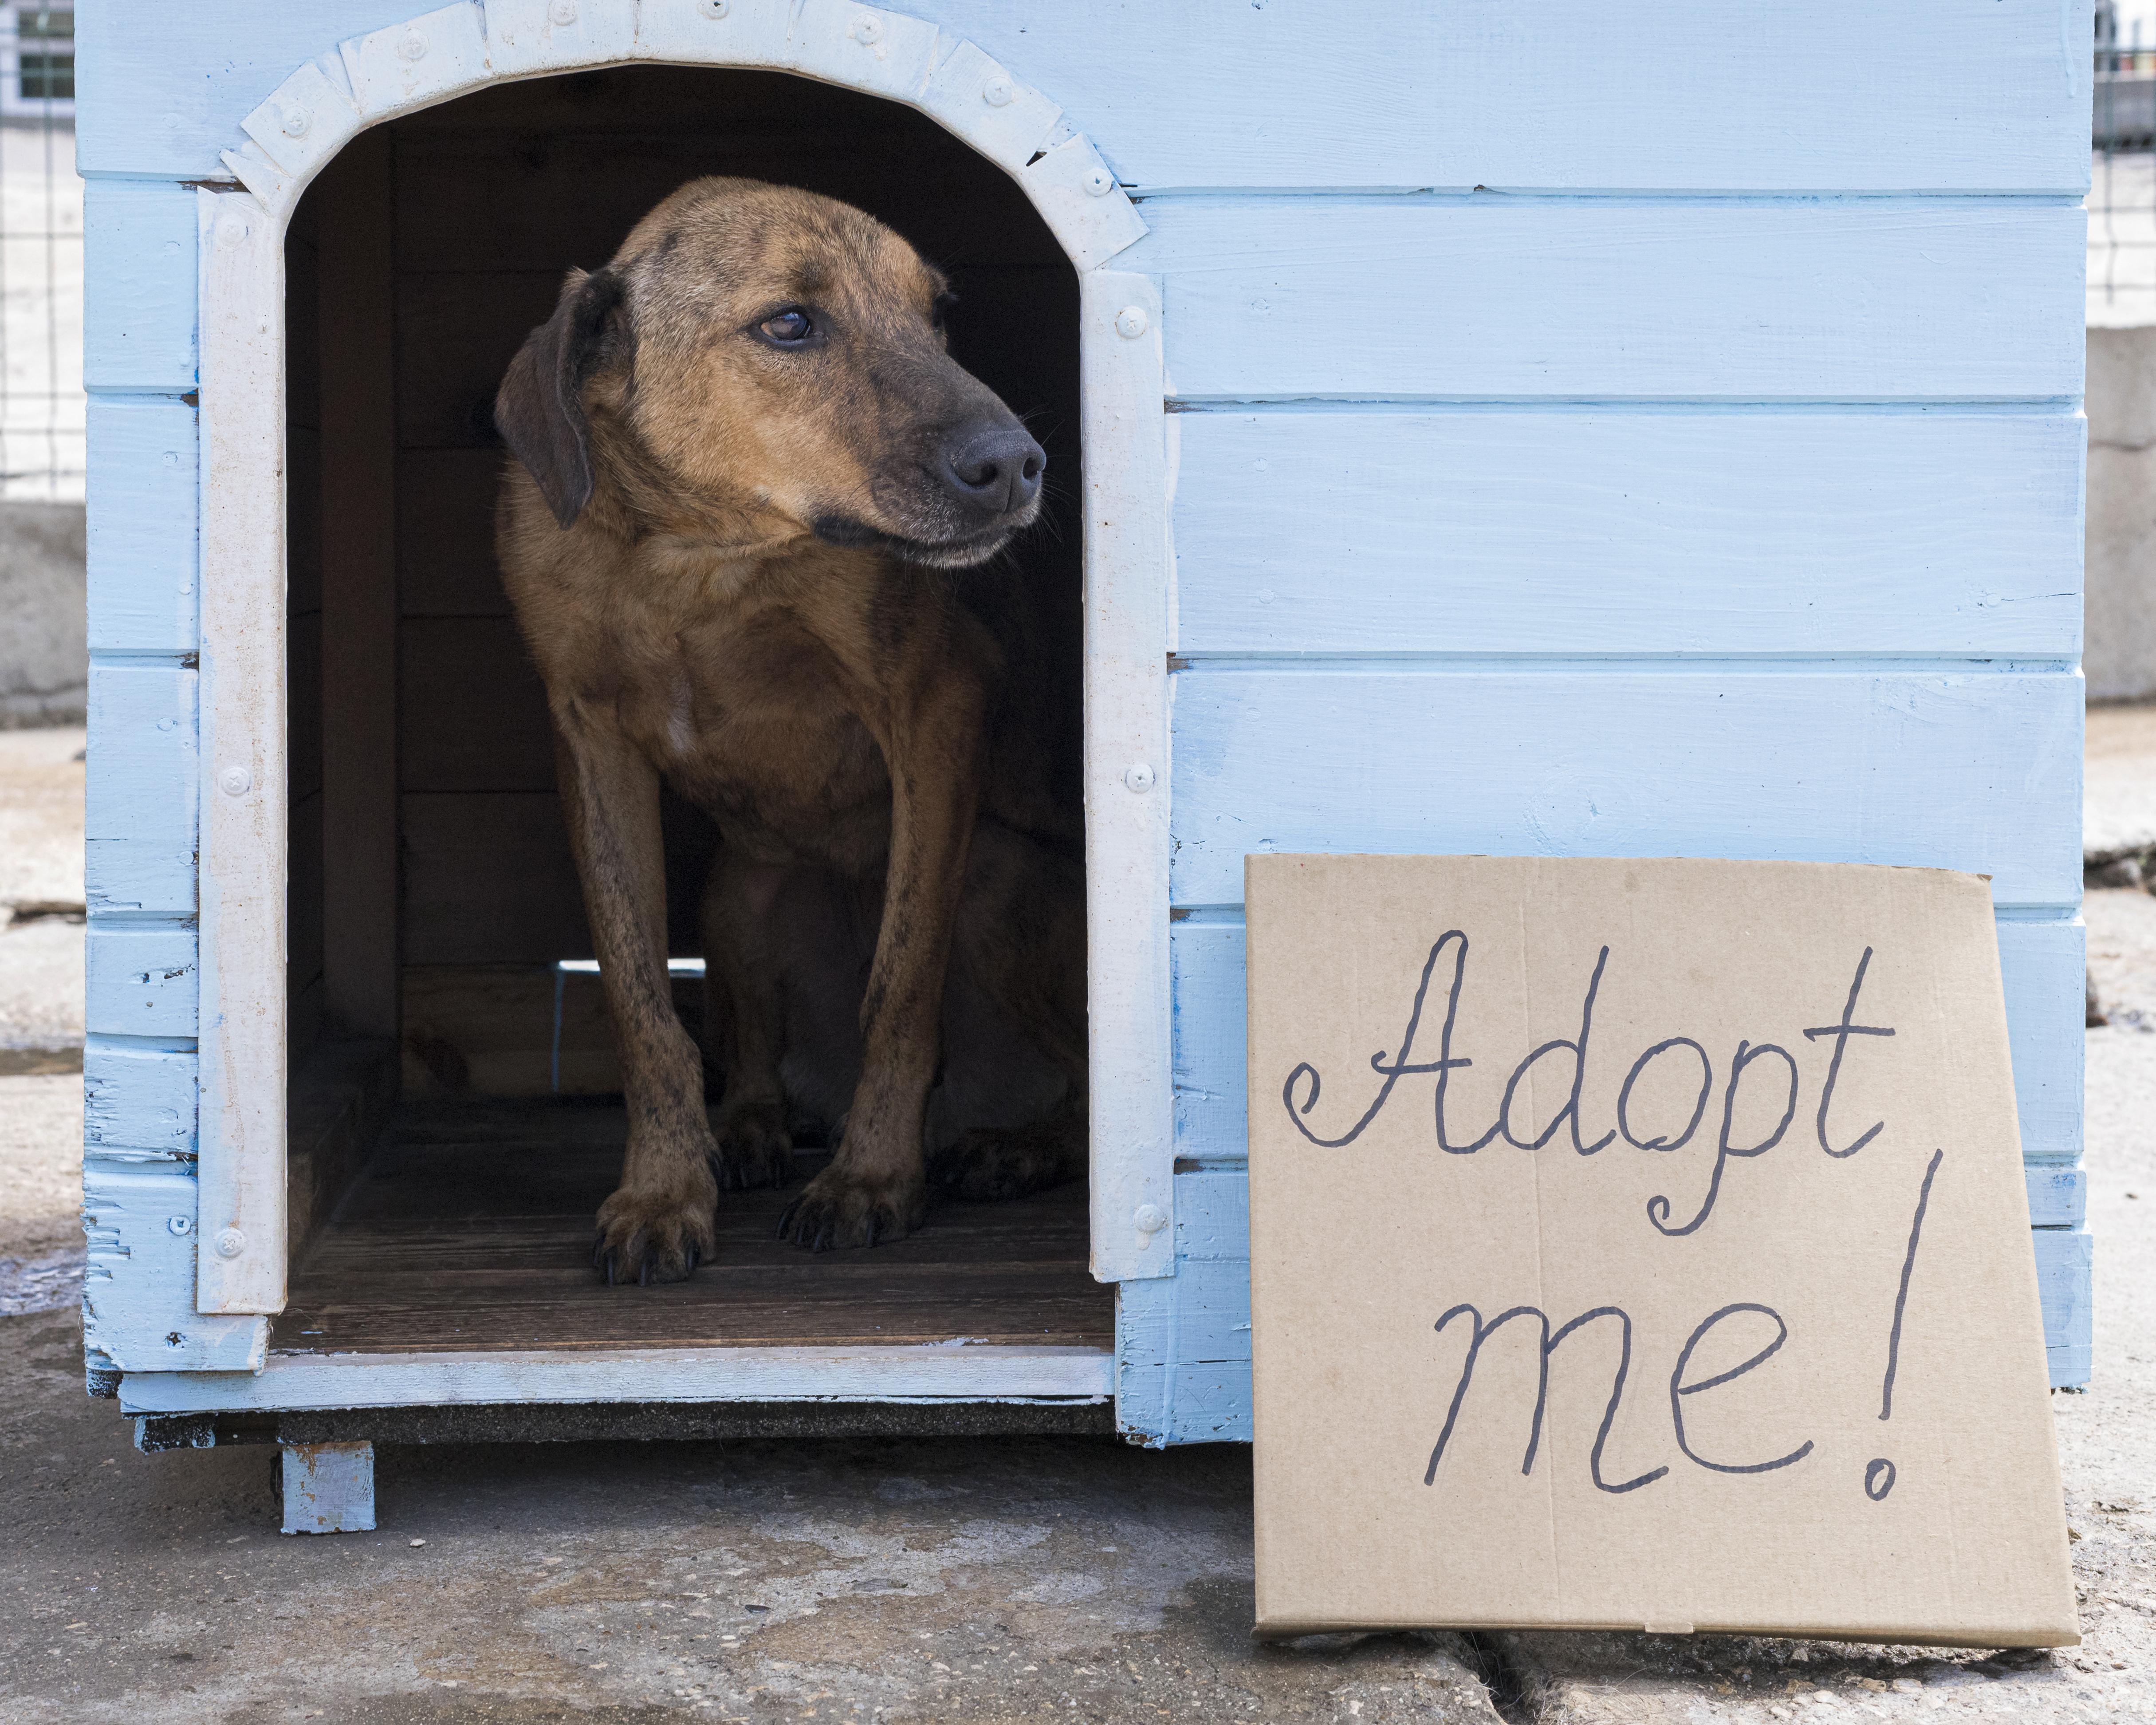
[{"x": 456, "y": 1115}]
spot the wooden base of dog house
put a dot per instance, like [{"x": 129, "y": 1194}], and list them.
[
  {"x": 471, "y": 1228},
  {"x": 450, "y": 1298}
]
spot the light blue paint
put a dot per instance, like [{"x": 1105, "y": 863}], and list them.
[
  {"x": 1864, "y": 300},
  {"x": 1606, "y": 532},
  {"x": 1184, "y": 1401},
  {"x": 2041, "y": 965},
  {"x": 1206, "y": 1316},
  {"x": 327, "y": 1488},
  {"x": 1214, "y": 93},
  {"x": 1978, "y": 772},
  {"x": 2064, "y": 1275},
  {"x": 140, "y": 1101},
  {"x": 141, "y": 980},
  {"x": 1182, "y": 1344},
  {"x": 142, "y": 543},
  {"x": 139, "y": 809},
  {"x": 2058, "y": 1196},
  {"x": 1212, "y": 1046},
  {"x": 139, "y": 287},
  {"x": 138, "y": 1287}
]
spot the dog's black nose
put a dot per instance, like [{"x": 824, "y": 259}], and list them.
[{"x": 996, "y": 468}]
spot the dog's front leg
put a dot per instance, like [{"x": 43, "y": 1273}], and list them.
[
  {"x": 658, "y": 1224},
  {"x": 877, "y": 1186}
]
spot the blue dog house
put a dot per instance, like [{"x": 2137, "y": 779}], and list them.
[{"x": 1566, "y": 430}]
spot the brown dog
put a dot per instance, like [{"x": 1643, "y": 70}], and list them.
[{"x": 744, "y": 459}]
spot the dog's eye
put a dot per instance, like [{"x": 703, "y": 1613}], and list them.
[
  {"x": 788, "y": 328},
  {"x": 939, "y": 313}
]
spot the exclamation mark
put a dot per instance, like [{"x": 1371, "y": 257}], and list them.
[{"x": 1879, "y": 1475}]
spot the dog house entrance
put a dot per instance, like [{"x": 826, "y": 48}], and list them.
[{"x": 455, "y": 1116}]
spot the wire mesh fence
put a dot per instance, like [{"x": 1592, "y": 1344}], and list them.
[
  {"x": 41, "y": 399},
  {"x": 2121, "y": 202}
]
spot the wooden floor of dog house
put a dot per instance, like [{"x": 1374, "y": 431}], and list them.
[{"x": 470, "y": 1229}]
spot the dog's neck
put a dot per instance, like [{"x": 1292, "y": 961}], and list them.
[
  {"x": 639, "y": 501},
  {"x": 719, "y": 554}
]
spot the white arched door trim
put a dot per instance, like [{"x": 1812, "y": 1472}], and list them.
[{"x": 441, "y": 55}]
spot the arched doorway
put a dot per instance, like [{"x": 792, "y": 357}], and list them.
[{"x": 459, "y": 214}]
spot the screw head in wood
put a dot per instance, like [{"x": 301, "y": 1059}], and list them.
[
  {"x": 866, "y": 30},
  {"x": 413, "y": 47},
  {"x": 293, "y": 119},
  {"x": 1099, "y": 183},
  {"x": 714, "y": 8},
  {"x": 1150, "y": 1219},
  {"x": 179, "y": 1225},
  {"x": 231, "y": 231},
  {"x": 1138, "y": 777},
  {"x": 1132, "y": 322},
  {"x": 230, "y": 1243},
  {"x": 997, "y": 93},
  {"x": 562, "y": 12},
  {"x": 236, "y": 780}
]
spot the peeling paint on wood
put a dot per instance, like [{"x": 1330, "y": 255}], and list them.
[{"x": 137, "y": 1301}]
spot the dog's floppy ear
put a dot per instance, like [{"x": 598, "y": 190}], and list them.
[{"x": 538, "y": 410}]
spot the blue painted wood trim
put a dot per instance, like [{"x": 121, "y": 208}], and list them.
[
  {"x": 2064, "y": 1268},
  {"x": 141, "y": 980},
  {"x": 139, "y": 286},
  {"x": 139, "y": 1284},
  {"x": 143, "y": 540},
  {"x": 1978, "y": 772},
  {"x": 1570, "y": 93},
  {"x": 1607, "y": 532},
  {"x": 2042, "y": 966},
  {"x": 139, "y": 809},
  {"x": 2058, "y": 1195},
  {"x": 932, "y": 1372},
  {"x": 1497, "y": 298},
  {"x": 139, "y": 1099}
]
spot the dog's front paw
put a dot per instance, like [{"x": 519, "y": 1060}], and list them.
[
  {"x": 656, "y": 1233},
  {"x": 987, "y": 1165},
  {"x": 850, "y": 1207},
  {"x": 754, "y": 1146}
]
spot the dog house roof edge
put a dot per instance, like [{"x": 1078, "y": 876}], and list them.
[{"x": 436, "y": 56}]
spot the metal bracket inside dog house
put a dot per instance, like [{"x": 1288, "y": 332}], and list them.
[{"x": 440, "y": 55}]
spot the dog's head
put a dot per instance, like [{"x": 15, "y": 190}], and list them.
[{"x": 776, "y": 359}]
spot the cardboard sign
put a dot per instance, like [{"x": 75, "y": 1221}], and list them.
[{"x": 1643, "y": 1244}]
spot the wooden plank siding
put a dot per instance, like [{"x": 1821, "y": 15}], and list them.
[
  {"x": 142, "y": 543},
  {"x": 1599, "y": 532},
  {"x": 1748, "y": 300},
  {"x": 1590, "y": 431},
  {"x": 139, "y": 287},
  {"x": 1682, "y": 97},
  {"x": 1975, "y": 770},
  {"x": 141, "y": 1007}
]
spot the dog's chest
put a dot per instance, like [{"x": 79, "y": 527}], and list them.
[{"x": 754, "y": 725}]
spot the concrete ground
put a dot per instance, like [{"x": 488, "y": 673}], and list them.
[
  {"x": 41, "y": 904},
  {"x": 910, "y": 1579},
  {"x": 2118, "y": 801}
]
